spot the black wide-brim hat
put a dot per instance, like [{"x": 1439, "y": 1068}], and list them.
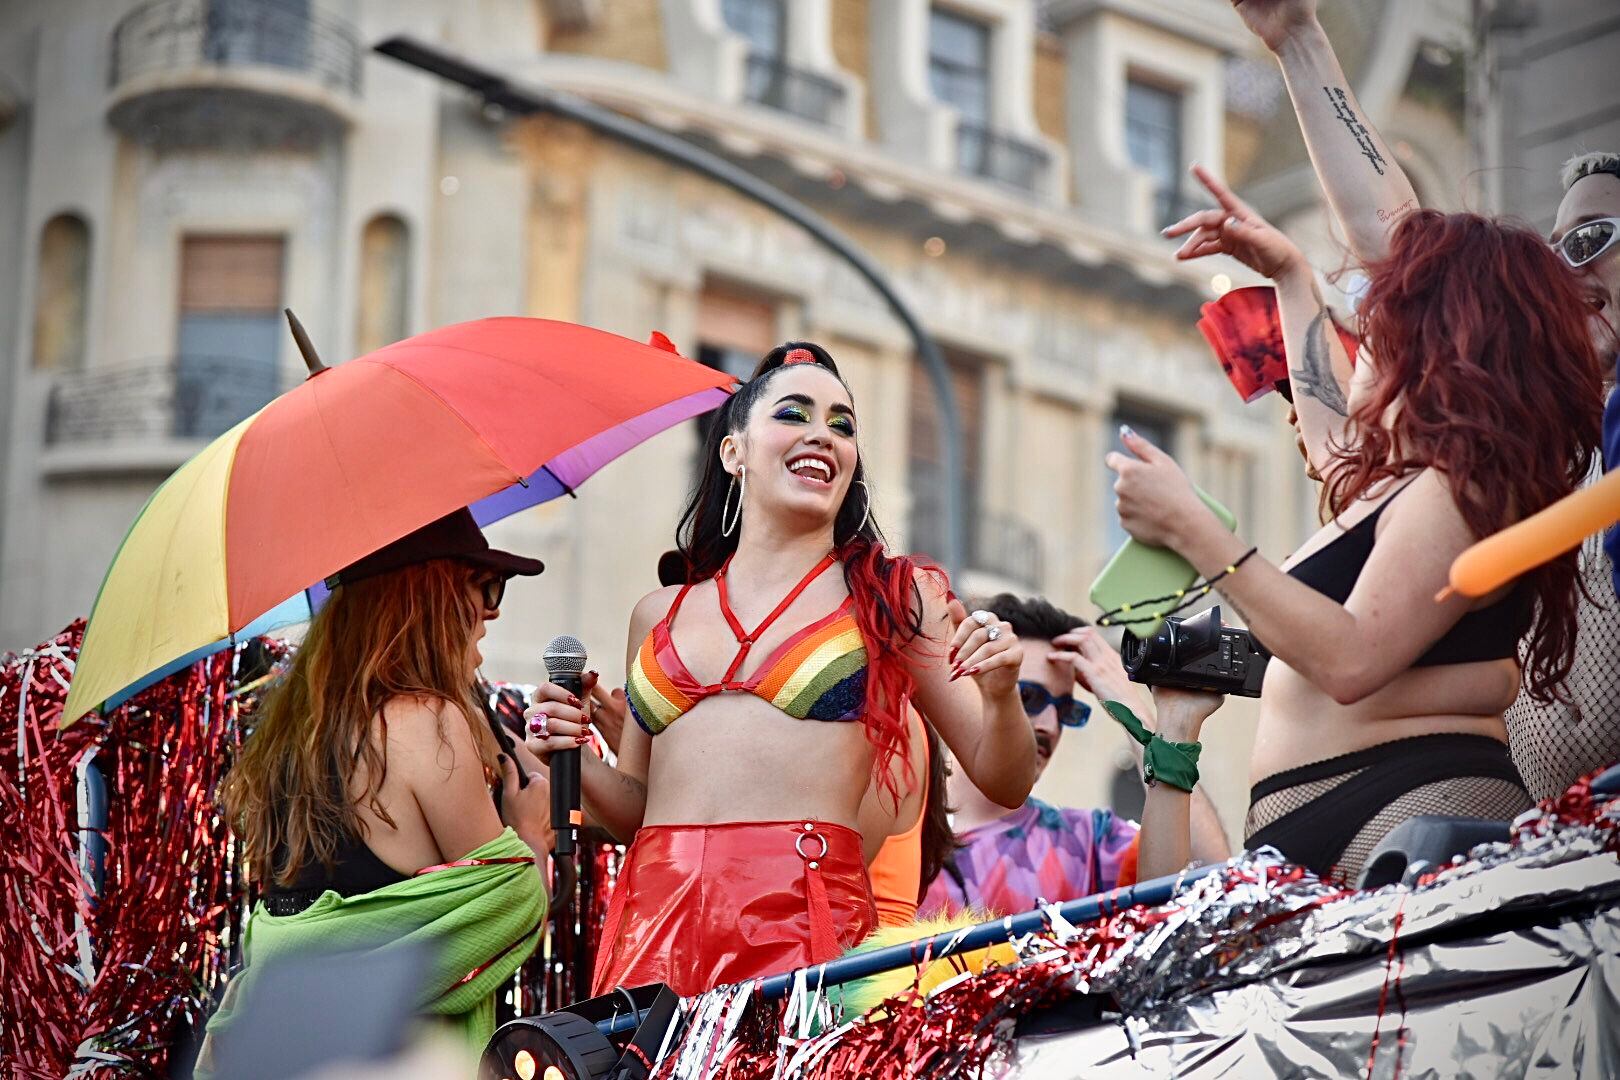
[{"x": 454, "y": 536}]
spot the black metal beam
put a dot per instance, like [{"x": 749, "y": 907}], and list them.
[{"x": 526, "y": 100}]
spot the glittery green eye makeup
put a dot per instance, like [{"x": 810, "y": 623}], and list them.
[{"x": 796, "y": 408}]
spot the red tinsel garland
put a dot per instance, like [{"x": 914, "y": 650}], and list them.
[
  {"x": 109, "y": 982},
  {"x": 966, "y": 1029}
]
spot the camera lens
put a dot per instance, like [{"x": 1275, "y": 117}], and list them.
[
  {"x": 1132, "y": 651},
  {"x": 1149, "y": 657}
]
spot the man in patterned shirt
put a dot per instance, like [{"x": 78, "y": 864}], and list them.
[{"x": 1009, "y": 861}]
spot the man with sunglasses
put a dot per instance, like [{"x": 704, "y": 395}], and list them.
[
  {"x": 1553, "y": 744},
  {"x": 1008, "y": 861},
  {"x": 1587, "y": 234}
]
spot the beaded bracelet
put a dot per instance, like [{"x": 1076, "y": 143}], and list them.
[{"x": 1186, "y": 597}]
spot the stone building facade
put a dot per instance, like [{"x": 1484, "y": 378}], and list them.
[{"x": 173, "y": 172}]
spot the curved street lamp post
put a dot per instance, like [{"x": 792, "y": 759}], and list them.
[{"x": 496, "y": 90}]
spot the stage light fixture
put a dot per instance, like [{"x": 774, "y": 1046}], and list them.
[{"x": 557, "y": 1046}]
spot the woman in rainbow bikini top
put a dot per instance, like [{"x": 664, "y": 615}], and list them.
[{"x": 770, "y": 692}]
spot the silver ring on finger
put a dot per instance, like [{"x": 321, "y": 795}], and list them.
[
  {"x": 983, "y": 618},
  {"x": 993, "y": 633}
]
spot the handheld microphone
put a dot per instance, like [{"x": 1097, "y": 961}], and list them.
[{"x": 565, "y": 665}]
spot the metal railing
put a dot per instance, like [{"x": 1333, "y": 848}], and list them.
[
  {"x": 191, "y": 397},
  {"x": 805, "y": 94},
  {"x": 999, "y": 156},
  {"x": 1009, "y": 547},
  {"x": 1001, "y": 544},
  {"x": 1170, "y": 205},
  {"x": 166, "y": 34}
]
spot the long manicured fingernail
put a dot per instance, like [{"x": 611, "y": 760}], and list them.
[
  {"x": 1125, "y": 431},
  {"x": 573, "y": 700},
  {"x": 582, "y": 739},
  {"x": 972, "y": 671},
  {"x": 951, "y": 659}
]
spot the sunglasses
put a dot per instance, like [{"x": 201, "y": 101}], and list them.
[
  {"x": 494, "y": 590},
  {"x": 1036, "y": 698},
  {"x": 1587, "y": 241}
]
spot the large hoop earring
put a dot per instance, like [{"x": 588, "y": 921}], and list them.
[
  {"x": 865, "y": 517},
  {"x": 725, "y": 506}
]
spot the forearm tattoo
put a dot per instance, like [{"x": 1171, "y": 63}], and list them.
[
  {"x": 1339, "y": 100},
  {"x": 1315, "y": 376},
  {"x": 1387, "y": 216}
]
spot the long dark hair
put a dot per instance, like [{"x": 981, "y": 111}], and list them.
[
  {"x": 1479, "y": 335},
  {"x": 887, "y": 599},
  {"x": 938, "y": 838}
]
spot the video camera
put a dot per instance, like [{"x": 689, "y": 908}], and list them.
[{"x": 1197, "y": 653}]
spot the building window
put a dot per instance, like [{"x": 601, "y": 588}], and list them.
[
  {"x": 734, "y": 329},
  {"x": 959, "y": 76},
  {"x": 959, "y": 65},
  {"x": 926, "y": 450},
  {"x": 230, "y": 330},
  {"x": 768, "y": 78},
  {"x": 61, "y": 301},
  {"x": 1158, "y": 429},
  {"x": 384, "y": 283},
  {"x": 1153, "y": 140},
  {"x": 761, "y": 23}
]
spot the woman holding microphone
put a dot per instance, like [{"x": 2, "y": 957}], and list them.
[{"x": 770, "y": 691}]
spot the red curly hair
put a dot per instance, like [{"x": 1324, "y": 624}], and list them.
[{"x": 1484, "y": 371}]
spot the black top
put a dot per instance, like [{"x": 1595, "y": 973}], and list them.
[
  {"x": 355, "y": 869},
  {"x": 1491, "y": 633}
]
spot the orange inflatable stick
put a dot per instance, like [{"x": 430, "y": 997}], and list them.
[{"x": 1497, "y": 560}]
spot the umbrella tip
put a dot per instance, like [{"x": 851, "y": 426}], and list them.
[{"x": 306, "y": 349}]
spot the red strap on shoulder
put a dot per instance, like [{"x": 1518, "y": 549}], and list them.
[{"x": 745, "y": 639}]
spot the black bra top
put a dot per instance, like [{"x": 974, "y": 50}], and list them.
[
  {"x": 1490, "y": 633},
  {"x": 355, "y": 869}
]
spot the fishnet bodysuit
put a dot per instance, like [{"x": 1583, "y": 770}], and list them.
[
  {"x": 1464, "y": 796},
  {"x": 1555, "y": 745}
]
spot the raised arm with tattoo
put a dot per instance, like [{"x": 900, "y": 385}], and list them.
[
  {"x": 1365, "y": 187},
  {"x": 1318, "y": 368}
]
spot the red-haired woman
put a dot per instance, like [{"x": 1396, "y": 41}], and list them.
[
  {"x": 770, "y": 691},
  {"x": 1471, "y": 406},
  {"x": 363, "y": 798}
]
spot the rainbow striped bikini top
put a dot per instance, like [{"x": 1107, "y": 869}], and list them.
[{"x": 817, "y": 674}]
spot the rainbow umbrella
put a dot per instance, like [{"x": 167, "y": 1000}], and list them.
[{"x": 496, "y": 414}]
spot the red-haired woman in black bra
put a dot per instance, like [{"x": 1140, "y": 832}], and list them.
[{"x": 1472, "y": 405}]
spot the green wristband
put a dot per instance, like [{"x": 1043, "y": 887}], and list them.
[{"x": 1175, "y": 763}]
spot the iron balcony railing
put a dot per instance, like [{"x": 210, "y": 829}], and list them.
[
  {"x": 999, "y": 156},
  {"x": 1170, "y": 205},
  {"x": 805, "y": 94},
  {"x": 1009, "y": 547},
  {"x": 163, "y": 35},
  {"x": 1001, "y": 544},
  {"x": 192, "y": 397}
]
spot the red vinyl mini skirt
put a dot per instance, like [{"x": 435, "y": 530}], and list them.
[{"x": 699, "y": 906}]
